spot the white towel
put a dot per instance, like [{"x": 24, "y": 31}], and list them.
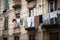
[
  {"x": 32, "y": 21},
  {"x": 53, "y": 14},
  {"x": 29, "y": 21},
  {"x": 34, "y": 11}
]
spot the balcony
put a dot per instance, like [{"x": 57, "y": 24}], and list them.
[
  {"x": 30, "y": 25},
  {"x": 51, "y": 20},
  {"x": 30, "y": 28},
  {"x": 16, "y": 4},
  {"x": 16, "y": 31}
]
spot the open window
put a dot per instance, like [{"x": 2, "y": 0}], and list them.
[{"x": 52, "y": 5}]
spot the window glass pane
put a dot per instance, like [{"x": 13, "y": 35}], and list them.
[
  {"x": 6, "y": 23},
  {"x": 16, "y": 38},
  {"x": 54, "y": 36},
  {"x": 21, "y": 21},
  {"x": 6, "y": 4},
  {"x": 31, "y": 37},
  {"x": 4, "y": 38}
]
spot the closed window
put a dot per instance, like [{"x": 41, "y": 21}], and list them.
[
  {"x": 32, "y": 12},
  {"x": 31, "y": 37},
  {"x": 16, "y": 38},
  {"x": 52, "y": 5},
  {"x": 6, "y": 23},
  {"x": 54, "y": 36},
  {"x": 6, "y": 4},
  {"x": 21, "y": 21},
  {"x": 5, "y": 38}
]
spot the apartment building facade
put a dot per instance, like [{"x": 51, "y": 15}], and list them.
[{"x": 23, "y": 19}]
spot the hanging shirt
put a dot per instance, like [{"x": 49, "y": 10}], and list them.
[{"x": 18, "y": 20}]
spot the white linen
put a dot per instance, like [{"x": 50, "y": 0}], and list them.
[
  {"x": 29, "y": 21},
  {"x": 53, "y": 14},
  {"x": 18, "y": 20},
  {"x": 34, "y": 11},
  {"x": 45, "y": 17},
  {"x": 32, "y": 21}
]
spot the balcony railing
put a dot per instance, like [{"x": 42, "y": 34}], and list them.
[{"x": 51, "y": 19}]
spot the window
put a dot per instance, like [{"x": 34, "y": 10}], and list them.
[
  {"x": 40, "y": 19},
  {"x": 21, "y": 21},
  {"x": 6, "y": 23},
  {"x": 5, "y": 38},
  {"x": 6, "y": 4},
  {"x": 52, "y": 5},
  {"x": 32, "y": 12},
  {"x": 54, "y": 36},
  {"x": 16, "y": 38},
  {"x": 31, "y": 37},
  {"x": 18, "y": 15},
  {"x": 53, "y": 21}
]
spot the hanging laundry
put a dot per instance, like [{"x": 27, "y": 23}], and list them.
[
  {"x": 34, "y": 11},
  {"x": 46, "y": 18},
  {"x": 32, "y": 20},
  {"x": 53, "y": 14},
  {"x": 36, "y": 20},
  {"x": 18, "y": 20},
  {"x": 29, "y": 21}
]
